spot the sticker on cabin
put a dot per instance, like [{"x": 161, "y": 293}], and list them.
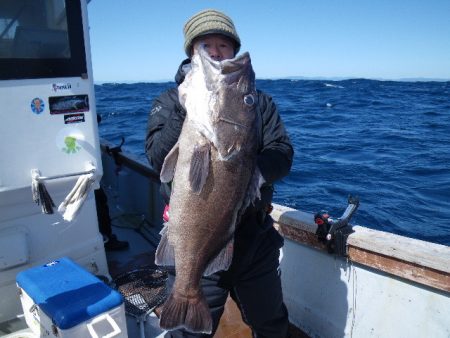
[
  {"x": 73, "y": 118},
  {"x": 71, "y": 145},
  {"x": 61, "y": 86},
  {"x": 68, "y": 104},
  {"x": 37, "y": 105},
  {"x": 70, "y": 140}
]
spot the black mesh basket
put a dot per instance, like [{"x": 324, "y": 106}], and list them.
[{"x": 142, "y": 289}]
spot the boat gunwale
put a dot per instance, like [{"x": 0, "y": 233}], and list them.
[
  {"x": 129, "y": 160},
  {"x": 412, "y": 259}
]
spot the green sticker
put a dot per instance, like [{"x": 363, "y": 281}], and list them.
[{"x": 71, "y": 145}]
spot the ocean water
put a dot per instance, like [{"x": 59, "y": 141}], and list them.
[{"x": 384, "y": 141}]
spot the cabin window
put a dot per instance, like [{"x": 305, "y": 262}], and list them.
[{"x": 41, "y": 38}]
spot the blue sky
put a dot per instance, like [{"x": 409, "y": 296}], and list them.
[{"x": 142, "y": 40}]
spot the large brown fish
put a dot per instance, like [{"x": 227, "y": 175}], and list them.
[{"x": 215, "y": 177}]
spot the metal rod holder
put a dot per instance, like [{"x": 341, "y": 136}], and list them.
[
  {"x": 36, "y": 174},
  {"x": 48, "y": 178}
]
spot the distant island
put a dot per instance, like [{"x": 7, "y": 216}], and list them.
[{"x": 324, "y": 78}]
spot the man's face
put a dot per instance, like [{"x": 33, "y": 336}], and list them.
[{"x": 218, "y": 47}]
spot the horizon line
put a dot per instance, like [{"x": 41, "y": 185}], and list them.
[{"x": 312, "y": 78}]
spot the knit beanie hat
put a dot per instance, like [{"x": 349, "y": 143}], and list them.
[{"x": 206, "y": 22}]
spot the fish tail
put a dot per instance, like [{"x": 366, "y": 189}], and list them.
[{"x": 193, "y": 314}]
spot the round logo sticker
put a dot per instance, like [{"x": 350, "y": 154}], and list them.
[{"x": 37, "y": 105}]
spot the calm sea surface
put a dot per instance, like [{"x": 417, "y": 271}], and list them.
[{"x": 386, "y": 142}]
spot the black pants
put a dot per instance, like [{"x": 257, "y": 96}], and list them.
[{"x": 253, "y": 282}]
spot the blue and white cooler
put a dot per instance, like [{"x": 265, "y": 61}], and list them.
[{"x": 61, "y": 299}]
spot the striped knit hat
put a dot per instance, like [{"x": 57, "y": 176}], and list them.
[{"x": 206, "y": 22}]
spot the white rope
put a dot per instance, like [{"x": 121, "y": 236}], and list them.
[{"x": 72, "y": 204}]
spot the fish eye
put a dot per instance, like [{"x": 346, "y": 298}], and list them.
[{"x": 249, "y": 100}]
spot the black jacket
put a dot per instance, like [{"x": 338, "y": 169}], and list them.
[{"x": 166, "y": 119}]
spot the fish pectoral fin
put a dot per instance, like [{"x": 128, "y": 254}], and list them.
[
  {"x": 199, "y": 169},
  {"x": 165, "y": 253},
  {"x": 222, "y": 261},
  {"x": 170, "y": 162}
]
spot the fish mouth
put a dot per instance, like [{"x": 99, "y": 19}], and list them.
[
  {"x": 229, "y": 72},
  {"x": 237, "y": 64},
  {"x": 228, "y": 66}
]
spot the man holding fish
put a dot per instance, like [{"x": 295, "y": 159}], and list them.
[{"x": 219, "y": 145}]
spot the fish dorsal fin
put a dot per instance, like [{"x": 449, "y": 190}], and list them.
[
  {"x": 199, "y": 167},
  {"x": 168, "y": 167}
]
